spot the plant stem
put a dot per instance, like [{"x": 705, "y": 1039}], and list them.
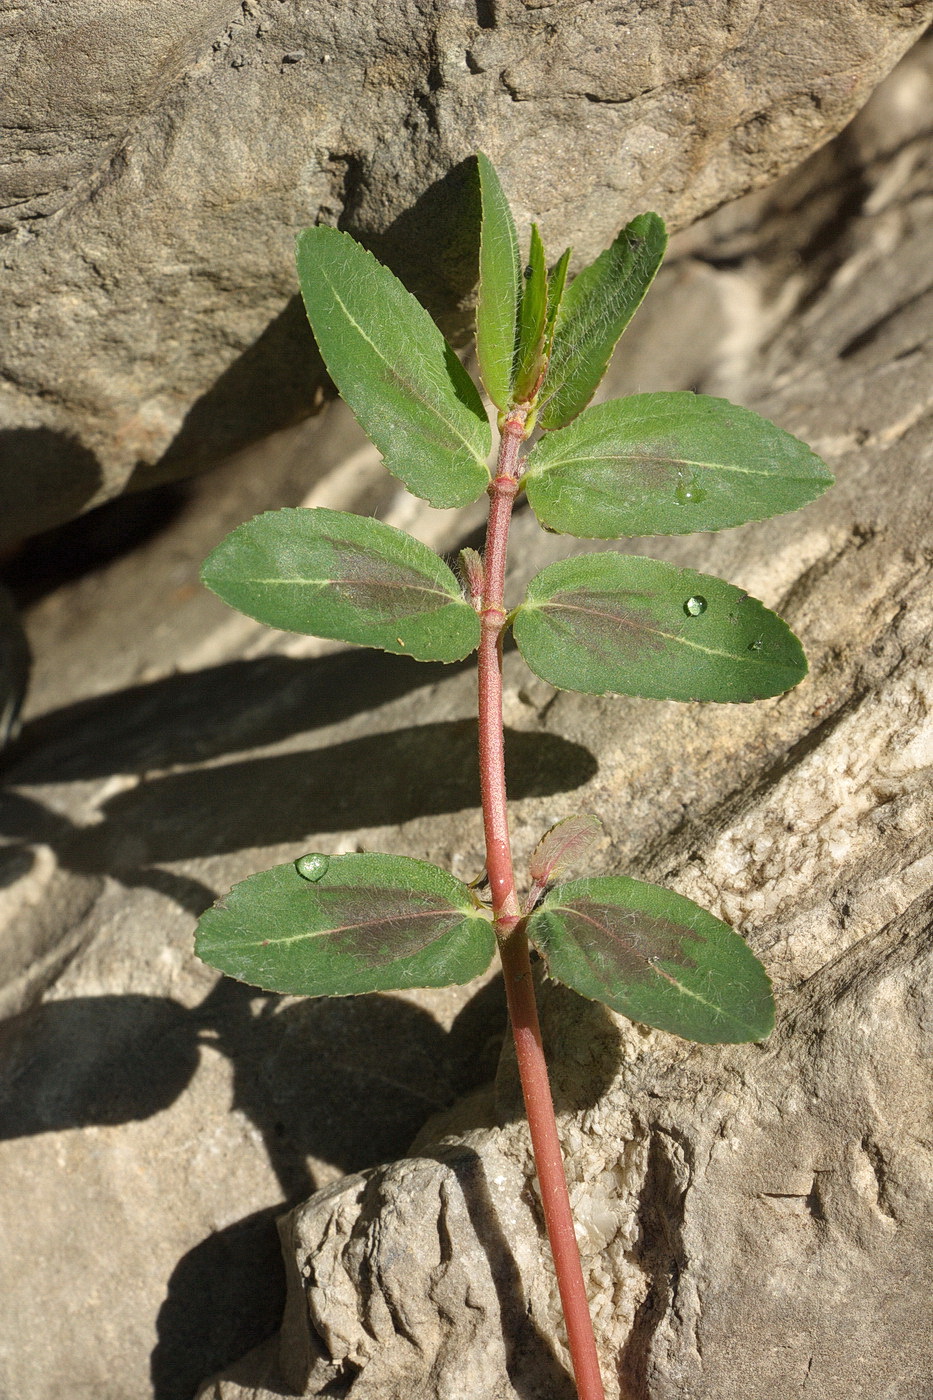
[{"x": 510, "y": 927}]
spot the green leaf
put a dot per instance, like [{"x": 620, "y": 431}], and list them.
[
  {"x": 616, "y": 624},
  {"x": 500, "y": 285},
  {"x": 668, "y": 464},
  {"x": 331, "y": 574},
  {"x": 562, "y": 845},
  {"x": 355, "y": 923},
  {"x": 597, "y": 306},
  {"x": 556, "y": 286},
  {"x": 395, "y": 370},
  {"x": 532, "y": 322},
  {"x": 655, "y": 957}
]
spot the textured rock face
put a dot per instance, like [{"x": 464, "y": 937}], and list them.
[
  {"x": 754, "y": 1220},
  {"x": 160, "y": 163}
]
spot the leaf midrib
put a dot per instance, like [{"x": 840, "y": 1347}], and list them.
[
  {"x": 718, "y": 1012},
  {"x": 415, "y": 390},
  {"x": 754, "y": 658},
  {"x": 349, "y": 928}
]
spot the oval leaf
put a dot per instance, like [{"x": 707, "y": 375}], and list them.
[
  {"x": 655, "y": 957},
  {"x": 500, "y": 283},
  {"x": 668, "y": 464},
  {"x": 596, "y": 308},
  {"x": 395, "y": 370},
  {"x": 562, "y": 846},
  {"x": 363, "y": 923},
  {"x": 331, "y": 574},
  {"x": 616, "y": 624}
]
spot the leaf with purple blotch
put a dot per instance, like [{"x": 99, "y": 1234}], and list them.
[
  {"x": 331, "y": 574},
  {"x": 668, "y": 464},
  {"x": 342, "y": 925},
  {"x": 617, "y": 624},
  {"x": 655, "y": 957}
]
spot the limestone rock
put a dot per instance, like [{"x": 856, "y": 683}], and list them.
[
  {"x": 743, "y": 1210},
  {"x": 160, "y": 162},
  {"x": 755, "y": 1222}
]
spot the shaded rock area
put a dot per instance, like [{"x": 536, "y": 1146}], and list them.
[
  {"x": 755, "y": 1221},
  {"x": 159, "y": 162}
]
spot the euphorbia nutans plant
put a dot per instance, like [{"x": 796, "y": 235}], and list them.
[{"x": 603, "y": 623}]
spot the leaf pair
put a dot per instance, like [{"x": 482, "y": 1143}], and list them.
[
  {"x": 365, "y": 923},
  {"x": 600, "y": 623}
]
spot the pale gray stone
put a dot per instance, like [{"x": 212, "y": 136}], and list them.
[
  {"x": 159, "y": 161},
  {"x": 754, "y": 1220}
]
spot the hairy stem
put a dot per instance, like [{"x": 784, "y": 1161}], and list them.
[{"x": 510, "y": 927}]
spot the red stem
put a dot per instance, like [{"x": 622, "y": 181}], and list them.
[{"x": 510, "y": 928}]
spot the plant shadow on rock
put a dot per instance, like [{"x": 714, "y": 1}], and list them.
[
  {"x": 278, "y": 380},
  {"x": 46, "y": 476},
  {"x": 376, "y": 779},
  {"x": 117, "y": 1059},
  {"x": 531, "y": 1362},
  {"x": 273, "y": 384},
  {"x": 297, "y": 1067}
]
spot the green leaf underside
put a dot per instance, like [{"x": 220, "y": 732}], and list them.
[
  {"x": 330, "y": 574},
  {"x": 617, "y": 624},
  {"x": 597, "y": 307},
  {"x": 655, "y": 957},
  {"x": 668, "y": 464},
  {"x": 394, "y": 368},
  {"x": 532, "y": 320},
  {"x": 369, "y": 923},
  {"x": 500, "y": 282},
  {"x": 563, "y": 845}
]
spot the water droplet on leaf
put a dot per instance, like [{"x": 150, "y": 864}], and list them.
[
  {"x": 695, "y": 605},
  {"x": 689, "y": 492},
  {"x": 312, "y": 866}
]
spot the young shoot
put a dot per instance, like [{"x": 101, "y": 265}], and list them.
[{"x": 603, "y": 623}]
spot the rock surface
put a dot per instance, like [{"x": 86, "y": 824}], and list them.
[
  {"x": 754, "y": 1220},
  {"x": 159, "y": 163}
]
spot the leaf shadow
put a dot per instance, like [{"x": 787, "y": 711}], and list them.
[
  {"x": 46, "y": 476},
  {"x": 279, "y": 798},
  {"x": 347, "y": 1081}
]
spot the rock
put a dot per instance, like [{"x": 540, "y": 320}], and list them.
[
  {"x": 754, "y": 1221},
  {"x": 743, "y": 1209},
  {"x": 159, "y": 165}
]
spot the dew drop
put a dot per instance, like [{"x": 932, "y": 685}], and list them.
[
  {"x": 689, "y": 492},
  {"x": 695, "y": 605},
  {"x": 312, "y": 866}
]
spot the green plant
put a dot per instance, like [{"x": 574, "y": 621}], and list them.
[{"x": 664, "y": 463}]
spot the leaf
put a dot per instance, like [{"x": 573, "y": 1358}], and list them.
[
  {"x": 363, "y": 923},
  {"x": 500, "y": 286},
  {"x": 562, "y": 846},
  {"x": 655, "y": 957},
  {"x": 615, "y": 624},
  {"x": 331, "y": 574},
  {"x": 395, "y": 370},
  {"x": 532, "y": 322},
  {"x": 597, "y": 306},
  {"x": 556, "y": 286},
  {"x": 668, "y": 464}
]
